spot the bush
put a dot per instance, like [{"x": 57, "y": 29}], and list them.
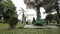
[{"x": 13, "y": 22}]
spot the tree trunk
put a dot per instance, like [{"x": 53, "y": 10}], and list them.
[
  {"x": 57, "y": 9},
  {"x": 58, "y": 18},
  {"x": 38, "y": 13}
]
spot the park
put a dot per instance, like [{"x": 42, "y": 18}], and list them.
[{"x": 29, "y": 22}]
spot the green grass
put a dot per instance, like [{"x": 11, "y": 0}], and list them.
[
  {"x": 3, "y": 30},
  {"x": 31, "y": 31}
]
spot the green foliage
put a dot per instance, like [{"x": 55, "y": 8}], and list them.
[
  {"x": 8, "y": 12},
  {"x": 10, "y": 5},
  {"x": 11, "y": 8},
  {"x": 35, "y": 4},
  {"x": 1, "y": 4},
  {"x": 1, "y": 7},
  {"x": 50, "y": 4},
  {"x": 55, "y": 17},
  {"x": 7, "y": 9},
  {"x": 13, "y": 21},
  {"x": 49, "y": 17}
]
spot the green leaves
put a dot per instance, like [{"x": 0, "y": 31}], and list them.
[
  {"x": 49, "y": 17},
  {"x": 7, "y": 9}
]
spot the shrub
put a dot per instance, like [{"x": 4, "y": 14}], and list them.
[{"x": 13, "y": 22}]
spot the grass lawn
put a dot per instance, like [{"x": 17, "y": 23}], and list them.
[{"x": 3, "y": 30}]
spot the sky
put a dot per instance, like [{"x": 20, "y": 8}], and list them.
[{"x": 30, "y": 13}]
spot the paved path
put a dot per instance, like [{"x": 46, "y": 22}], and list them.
[{"x": 46, "y": 26}]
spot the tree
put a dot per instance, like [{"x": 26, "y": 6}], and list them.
[
  {"x": 7, "y": 9},
  {"x": 53, "y": 4},
  {"x": 1, "y": 9},
  {"x": 56, "y": 6},
  {"x": 8, "y": 12},
  {"x": 47, "y": 4},
  {"x": 55, "y": 17},
  {"x": 49, "y": 18},
  {"x": 13, "y": 22},
  {"x": 34, "y": 4}
]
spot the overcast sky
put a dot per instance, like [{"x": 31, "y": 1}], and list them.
[{"x": 20, "y": 3}]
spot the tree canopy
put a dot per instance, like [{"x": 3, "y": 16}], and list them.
[
  {"x": 7, "y": 9},
  {"x": 8, "y": 12},
  {"x": 35, "y": 4},
  {"x": 50, "y": 17}
]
